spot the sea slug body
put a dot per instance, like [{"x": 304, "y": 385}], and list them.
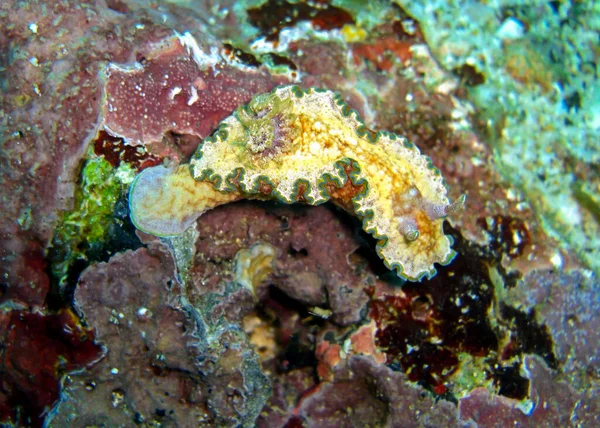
[{"x": 308, "y": 146}]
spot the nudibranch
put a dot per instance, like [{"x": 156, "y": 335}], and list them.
[{"x": 308, "y": 146}]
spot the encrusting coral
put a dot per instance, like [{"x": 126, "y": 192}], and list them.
[{"x": 308, "y": 146}]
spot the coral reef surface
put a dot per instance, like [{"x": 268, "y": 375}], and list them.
[{"x": 271, "y": 313}]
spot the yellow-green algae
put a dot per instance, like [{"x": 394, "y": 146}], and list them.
[
  {"x": 308, "y": 146},
  {"x": 86, "y": 225}
]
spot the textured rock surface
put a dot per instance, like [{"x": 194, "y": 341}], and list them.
[
  {"x": 158, "y": 367},
  {"x": 305, "y": 270},
  {"x": 567, "y": 303},
  {"x": 552, "y": 401},
  {"x": 368, "y": 393},
  {"x": 179, "y": 88}
]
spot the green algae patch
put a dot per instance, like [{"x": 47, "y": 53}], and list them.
[
  {"x": 587, "y": 198},
  {"x": 472, "y": 373},
  {"x": 81, "y": 233},
  {"x": 539, "y": 98}
]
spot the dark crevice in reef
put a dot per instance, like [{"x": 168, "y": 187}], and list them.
[
  {"x": 276, "y": 297},
  {"x": 241, "y": 56},
  {"x": 279, "y": 60},
  {"x": 297, "y": 254},
  {"x": 270, "y": 60},
  {"x": 365, "y": 256},
  {"x": 62, "y": 289},
  {"x": 424, "y": 330},
  {"x": 469, "y": 75},
  {"x": 508, "y": 236},
  {"x": 296, "y": 355},
  {"x": 294, "y": 329},
  {"x": 528, "y": 336},
  {"x": 275, "y": 15},
  {"x": 510, "y": 383},
  {"x": 502, "y": 232},
  {"x": 114, "y": 151},
  {"x": 120, "y": 236}
]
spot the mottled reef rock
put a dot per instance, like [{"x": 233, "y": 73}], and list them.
[
  {"x": 263, "y": 313},
  {"x": 158, "y": 366}
]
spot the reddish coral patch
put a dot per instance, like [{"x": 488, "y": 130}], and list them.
[
  {"x": 329, "y": 356},
  {"x": 363, "y": 342},
  {"x": 383, "y": 52},
  {"x": 175, "y": 89},
  {"x": 275, "y": 15},
  {"x": 115, "y": 151},
  {"x": 31, "y": 282},
  {"x": 37, "y": 351}
]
